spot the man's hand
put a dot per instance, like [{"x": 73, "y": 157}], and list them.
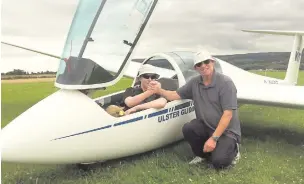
[
  {"x": 154, "y": 86},
  {"x": 210, "y": 145}
]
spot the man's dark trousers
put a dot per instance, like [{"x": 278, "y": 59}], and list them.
[{"x": 196, "y": 133}]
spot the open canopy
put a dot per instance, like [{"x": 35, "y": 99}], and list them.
[{"x": 101, "y": 39}]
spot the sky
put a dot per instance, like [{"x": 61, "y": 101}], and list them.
[{"x": 175, "y": 25}]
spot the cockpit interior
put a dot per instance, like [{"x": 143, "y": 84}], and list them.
[{"x": 168, "y": 82}]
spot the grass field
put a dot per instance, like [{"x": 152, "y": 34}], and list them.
[{"x": 272, "y": 149}]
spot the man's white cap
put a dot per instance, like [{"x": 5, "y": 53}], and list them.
[
  {"x": 147, "y": 68},
  {"x": 202, "y": 56}
]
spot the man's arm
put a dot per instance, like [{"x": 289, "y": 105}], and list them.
[
  {"x": 228, "y": 100},
  {"x": 210, "y": 144},
  {"x": 170, "y": 95},
  {"x": 223, "y": 124},
  {"x": 184, "y": 92},
  {"x": 132, "y": 101}
]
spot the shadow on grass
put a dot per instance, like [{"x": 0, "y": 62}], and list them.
[
  {"x": 264, "y": 133},
  {"x": 180, "y": 149}
]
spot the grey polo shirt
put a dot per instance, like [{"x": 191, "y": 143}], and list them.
[{"x": 211, "y": 101}]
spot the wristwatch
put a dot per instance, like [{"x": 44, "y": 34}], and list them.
[{"x": 215, "y": 138}]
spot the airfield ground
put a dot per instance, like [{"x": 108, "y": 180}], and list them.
[{"x": 272, "y": 148}]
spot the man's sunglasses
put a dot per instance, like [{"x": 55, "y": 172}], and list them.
[
  {"x": 150, "y": 76},
  {"x": 206, "y": 62}
]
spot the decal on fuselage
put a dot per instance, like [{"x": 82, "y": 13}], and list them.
[
  {"x": 270, "y": 81},
  {"x": 298, "y": 56},
  {"x": 175, "y": 114}
]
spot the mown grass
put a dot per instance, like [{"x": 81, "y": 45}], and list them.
[{"x": 272, "y": 149}]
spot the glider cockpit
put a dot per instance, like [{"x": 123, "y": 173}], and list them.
[
  {"x": 168, "y": 79},
  {"x": 175, "y": 68}
]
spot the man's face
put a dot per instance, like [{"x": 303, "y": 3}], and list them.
[
  {"x": 145, "y": 79},
  {"x": 205, "y": 68}
]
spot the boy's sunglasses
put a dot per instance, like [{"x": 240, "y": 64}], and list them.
[
  {"x": 206, "y": 62},
  {"x": 151, "y": 76}
]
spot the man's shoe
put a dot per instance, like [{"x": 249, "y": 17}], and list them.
[
  {"x": 196, "y": 160},
  {"x": 238, "y": 155}
]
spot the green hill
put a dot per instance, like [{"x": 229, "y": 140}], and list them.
[
  {"x": 256, "y": 61},
  {"x": 265, "y": 60}
]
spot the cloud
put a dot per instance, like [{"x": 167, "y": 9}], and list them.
[
  {"x": 36, "y": 18},
  {"x": 217, "y": 25},
  {"x": 36, "y": 24},
  {"x": 175, "y": 25}
]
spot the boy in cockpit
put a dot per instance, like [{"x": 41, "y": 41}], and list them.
[{"x": 139, "y": 97}]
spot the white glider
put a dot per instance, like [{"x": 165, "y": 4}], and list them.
[{"x": 70, "y": 127}]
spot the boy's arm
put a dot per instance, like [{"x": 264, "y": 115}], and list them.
[
  {"x": 132, "y": 101},
  {"x": 158, "y": 103}
]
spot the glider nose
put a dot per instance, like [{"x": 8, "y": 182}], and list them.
[{"x": 28, "y": 138}]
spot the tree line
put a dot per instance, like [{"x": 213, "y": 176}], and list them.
[{"x": 22, "y": 72}]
